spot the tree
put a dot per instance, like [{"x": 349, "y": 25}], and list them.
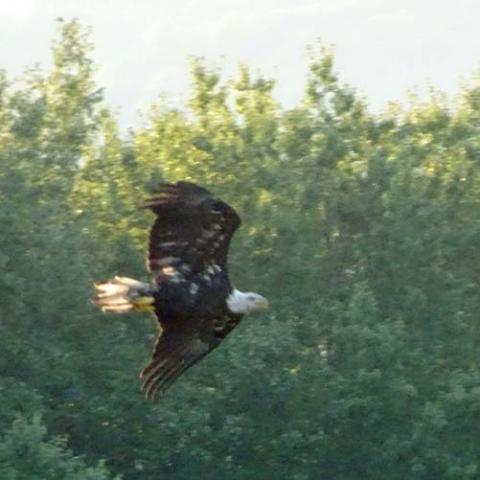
[{"x": 26, "y": 453}]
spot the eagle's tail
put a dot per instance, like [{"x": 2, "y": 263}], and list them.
[{"x": 123, "y": 294}]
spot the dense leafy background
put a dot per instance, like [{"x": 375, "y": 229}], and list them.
[{"x": 362, "y": 230}]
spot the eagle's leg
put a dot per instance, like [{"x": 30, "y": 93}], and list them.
[
  {"x": 123, "y": 294},
  {"x": 143, "y": 304}
]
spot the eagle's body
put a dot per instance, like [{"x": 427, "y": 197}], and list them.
[{"x": 191, "y": 296}]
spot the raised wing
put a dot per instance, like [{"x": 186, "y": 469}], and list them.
[{"x": 192, "y": 231}]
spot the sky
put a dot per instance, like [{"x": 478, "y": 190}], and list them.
[{"x": 383, "y": 48}]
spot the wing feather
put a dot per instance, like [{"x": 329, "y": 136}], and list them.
[
  {"x": 176, "y": 350},
  {"x": 192, "y": 230}
]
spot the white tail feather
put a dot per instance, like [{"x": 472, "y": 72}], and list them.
[{"x": 122, "y": 295}]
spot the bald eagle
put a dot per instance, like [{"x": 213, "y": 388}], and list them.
[{"x": 191, "y": 295}]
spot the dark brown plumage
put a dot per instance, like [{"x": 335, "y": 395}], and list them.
[
  {"x": 190, "y": 235},
  {"x": 191, "y": 296},
  {"x": 191, "y": 225}
]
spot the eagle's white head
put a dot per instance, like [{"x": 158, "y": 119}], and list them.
[{"x": 246, "y": 302}]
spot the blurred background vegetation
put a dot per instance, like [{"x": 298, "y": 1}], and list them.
[{"x": 363, "y": 231}]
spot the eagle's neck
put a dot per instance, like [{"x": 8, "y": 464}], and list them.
[{"x": 237, "y": 302}]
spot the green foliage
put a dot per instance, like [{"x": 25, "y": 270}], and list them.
[
  {"x": 360, "y": 229},
  {"x": 25, "y": 454}
]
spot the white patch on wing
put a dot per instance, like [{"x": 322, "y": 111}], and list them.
[
  {"x": 167, "y": 244},
  {"x": 166, "y": 261},
  {"x": 211, "y": 270},
  {"x": 173, "y": 273},
  {"x": 169, "y": 271},
  {"x": 185, "y": 268},
  {"x": 209, "y": 233},
  {"x": 193, "y": 288}
]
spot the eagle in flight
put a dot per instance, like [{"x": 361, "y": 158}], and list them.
[{"x": 191, "y": 295}]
